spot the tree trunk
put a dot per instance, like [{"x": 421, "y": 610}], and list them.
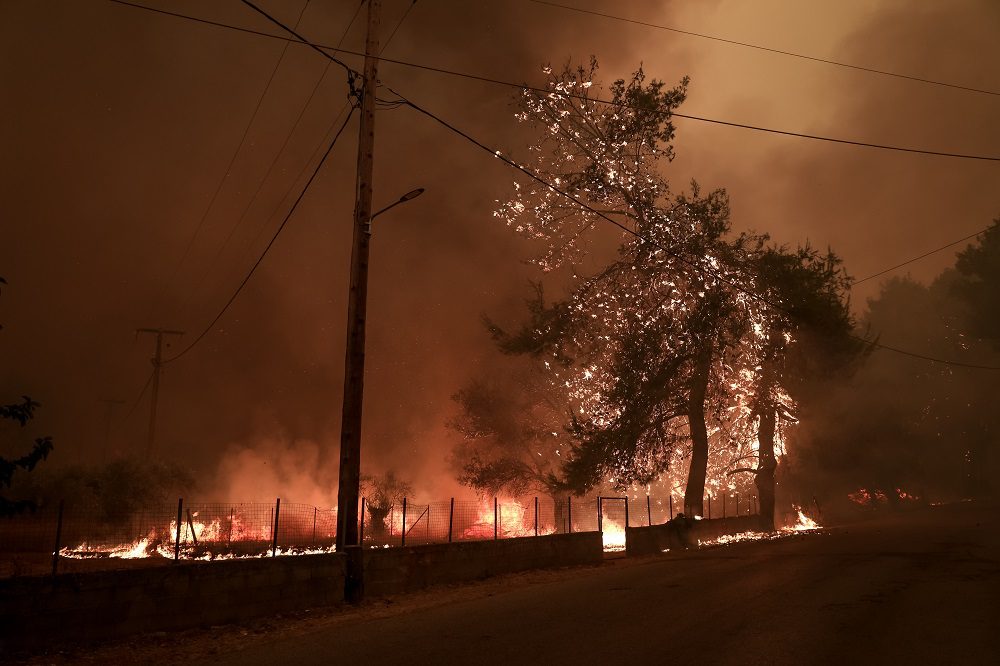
[
  {"x": 695, "y": 491},
  {"x": 766, "y": 426},
  {"x": 765, "y": 466},
  {"x": 377, "y": 515}
]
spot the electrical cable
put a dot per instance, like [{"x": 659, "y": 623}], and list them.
[
  {"x": 270, "y": 243},
  {"x": 870, "y": 70},
  {"x": 214, "y": 263},
  {"x": 926, "y": 254},
  {"x": 227, "y": 171},
  {"x": 583, "y": 204},
  {"x": 698, "y": 267},
  {"x": 319, "y": 147},
  {"x": 475, "y": 77},
  {"x": 138, "y": 398},
  {"x": 556, "y": 190},
  {"x": 329, "y": 129}
]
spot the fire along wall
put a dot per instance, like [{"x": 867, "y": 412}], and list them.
[
  {"x": 394, "y": 570},
  {"x": 40, "y": 611},
  {"x": 657, "y": 538}
]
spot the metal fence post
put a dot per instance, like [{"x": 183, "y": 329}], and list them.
[
  {"x": 671, "y": 497},
  {"x": 451, "y": 518},
  {"x": 177, "y": 540},
  {"x": 600, "y": 516},
  {"x": 626, "y": 513},
  {"x": 274, "y": 528},
  {"x": 496, "y": 517},
  {"x": 649, "y": 512},
  {"x": 315, "y": 511},
  {"x": 536, "y": 516},
  {"x": 230, "y": 540},
  {"x": 194, "y": 535},
  {"x": 55, "y": 552},
  {"x": 427, "y": 530},
  {"x": 737, "y": 504},
  {"x": 710, "y": 507},
  {"x": 403, "y": 531}
]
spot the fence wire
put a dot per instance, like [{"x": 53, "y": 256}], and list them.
[{"x": 87, "y": 538}]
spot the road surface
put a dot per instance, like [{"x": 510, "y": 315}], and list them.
[{"x": 915, "y": 588}]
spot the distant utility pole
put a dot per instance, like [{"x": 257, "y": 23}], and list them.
[
  {"x": 354, "y": 364},
  {"x": 157, "y": 361},
  {"x": 107, "y": 424}
]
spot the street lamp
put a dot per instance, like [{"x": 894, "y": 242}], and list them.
[{"x": 412, "y": 194}]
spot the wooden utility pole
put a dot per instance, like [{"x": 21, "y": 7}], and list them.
[
  {"x": 157, "y": 362},
  {"x": 354, "y": 364}
]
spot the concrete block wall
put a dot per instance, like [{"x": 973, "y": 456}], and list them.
[
  {"x": 395, "y": 570},
  {"x": 36, "y": 611},
  {"x": 40, "y": 611},
  {"x": 656, "y": 538}
]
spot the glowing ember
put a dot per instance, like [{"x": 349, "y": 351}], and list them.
[
  {"x": 875, "y": 497},
  {"x": 727, "y": 539}
]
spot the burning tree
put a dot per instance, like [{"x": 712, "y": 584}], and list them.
[
  {"x": 656, "y": 322},
  {"x": 381, "y": 493},
  {"x": 804, "y": 334},
  {"x": 680, "y": 341}
]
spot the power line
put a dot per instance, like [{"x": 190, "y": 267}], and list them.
[
  {"x": 214, "y": 263},
  {"x": 138, "y": 398},
  {"x": 406, "y": 13},
  {"x": 749, "y": 45},
  {"x": 229, "y": 166},
  {"x": 333, "y": 124},
  {"x": 583, "y": 204},
  {"x": 227, "y": 26},
  {"x": 698, "y": 267},
  {"x": 926, "y": 254},
  {"x": 319, "y": 147},
  {"x": 556, "y": 190},
  {"x": 519, "y": 86},
  {"x": 270, "y": 243}
]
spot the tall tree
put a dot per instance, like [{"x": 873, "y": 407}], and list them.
[
  {"x": 805, "y": 334},
  {"x": 665, "y": 291},
  {"x": 977, "y": 283}
]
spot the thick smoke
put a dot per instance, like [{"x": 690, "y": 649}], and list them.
[{"x": 115, "y": 147}]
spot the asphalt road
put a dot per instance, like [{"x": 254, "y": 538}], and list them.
[{"x": 915, "y": 588}]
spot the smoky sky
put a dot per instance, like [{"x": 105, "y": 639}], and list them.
[{"x": 117, "y": 127}]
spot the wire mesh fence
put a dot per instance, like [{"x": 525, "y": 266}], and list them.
[{"x": 78, "y": 538}]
